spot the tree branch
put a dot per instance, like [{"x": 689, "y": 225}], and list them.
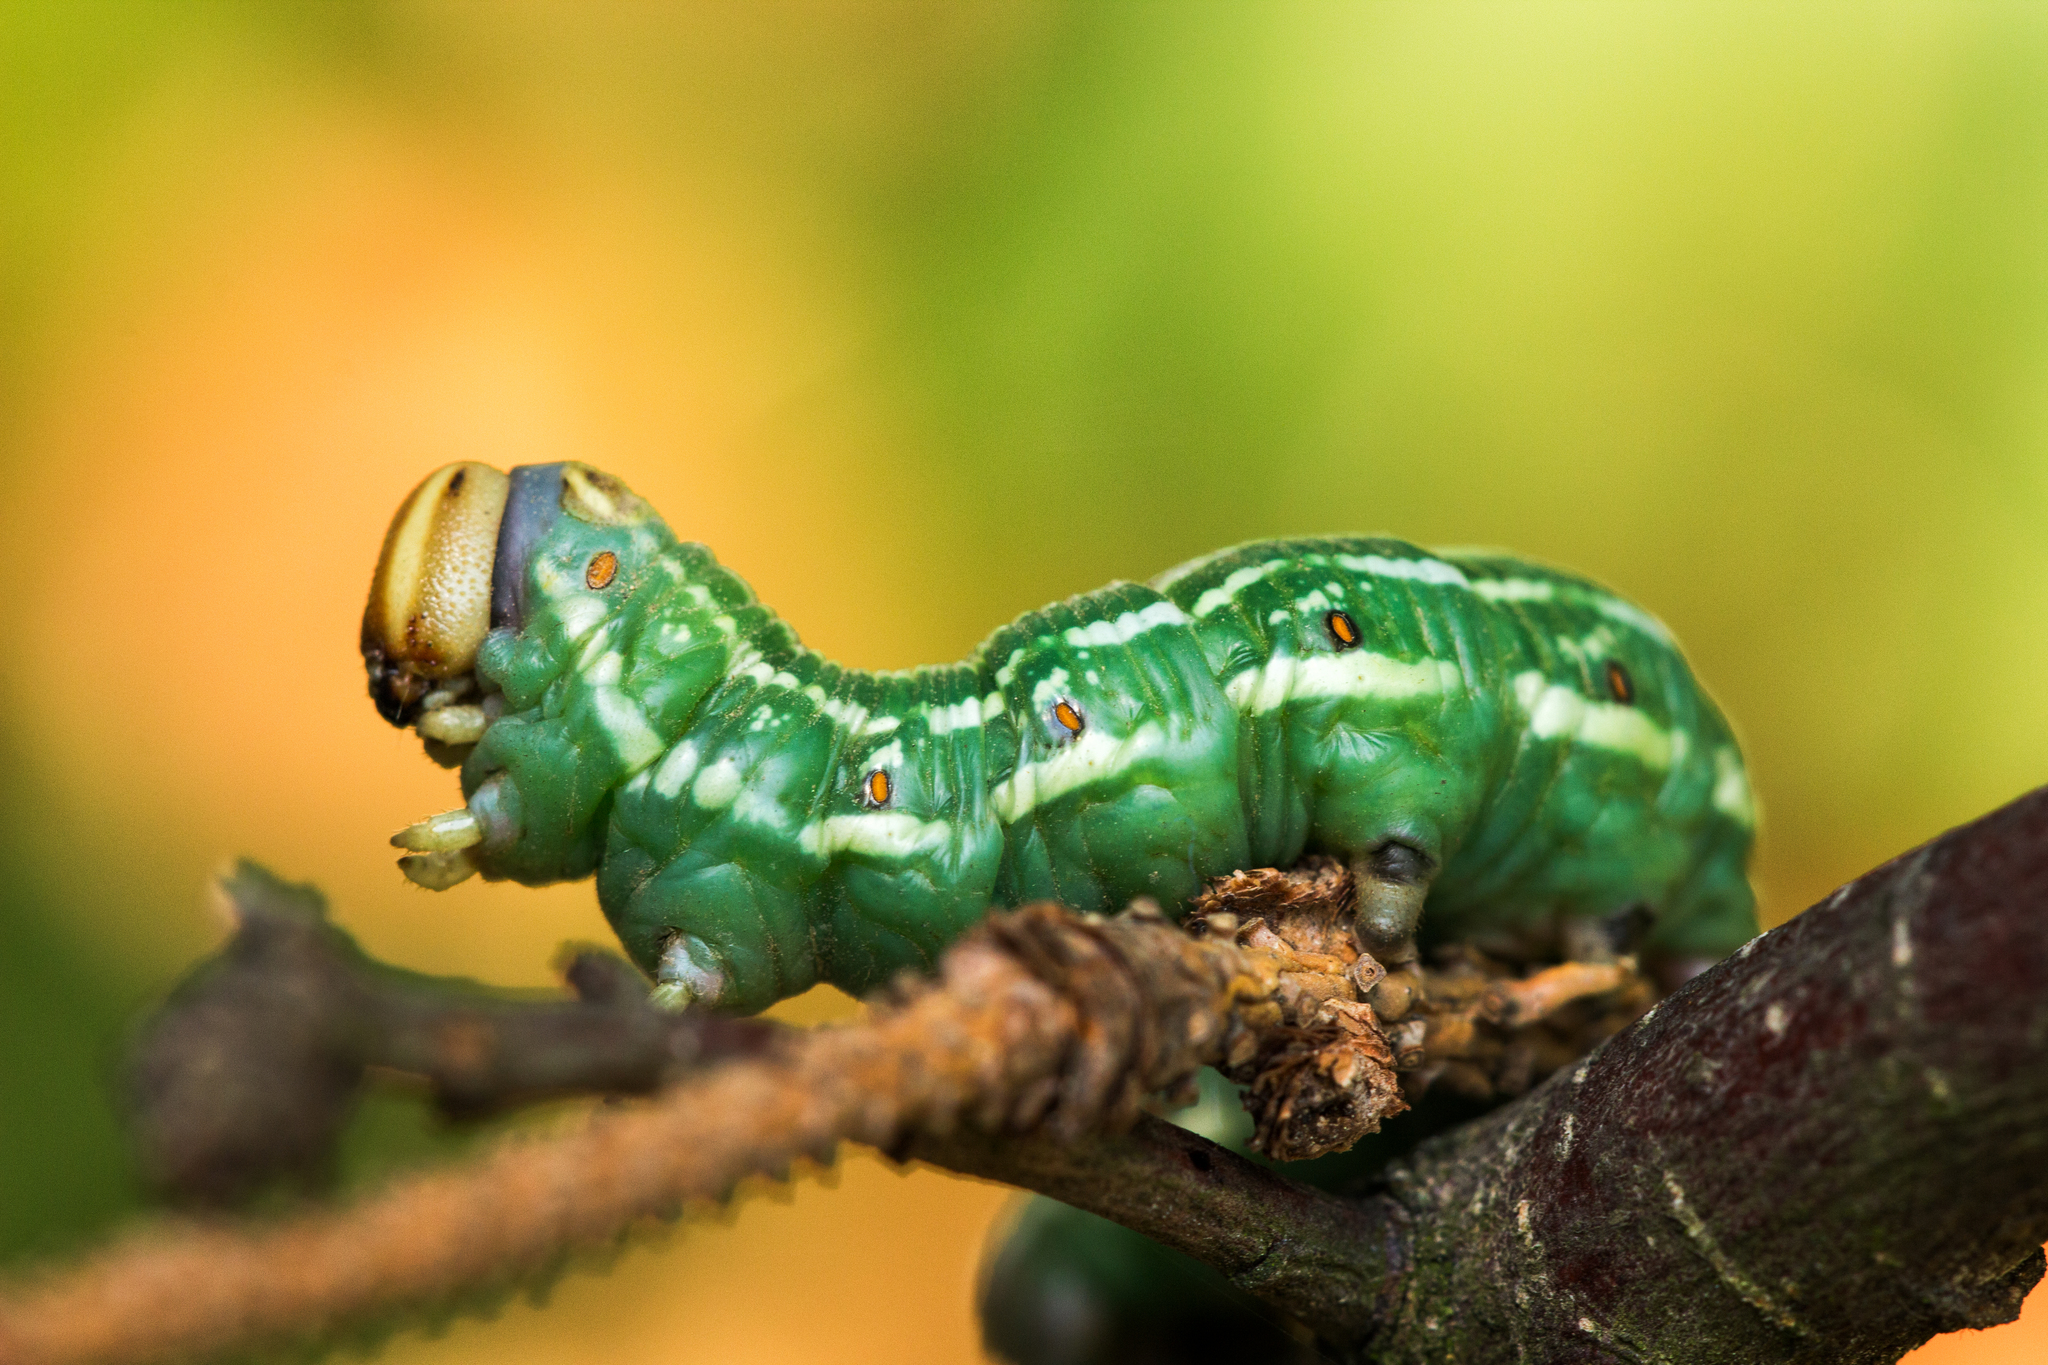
[
  {"x": 252, "y": 1067},
  {"x": 1826, "y": 1148},
  {"x": 1829, "y": 1147},
  {"x": 1319, "y": 1257},
  {"x": 1040, "y": 1021}
]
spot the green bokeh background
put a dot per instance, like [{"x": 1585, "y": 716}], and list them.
[{"x": 1742, "y": 309}]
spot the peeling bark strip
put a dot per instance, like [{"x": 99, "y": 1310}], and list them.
[{"x": 1828, "y": 1148}]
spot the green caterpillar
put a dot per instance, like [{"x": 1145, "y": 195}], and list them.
[{"x": 1522, "y": 749}]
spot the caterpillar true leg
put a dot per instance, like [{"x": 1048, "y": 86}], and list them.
[
  {"x": 438, "y": 871},
  {"x": 454, "y": 724},
  {"x": 443, "y": 833},
  {"x": 441, "y": 847},
  {"x": 444, "y": 849}
]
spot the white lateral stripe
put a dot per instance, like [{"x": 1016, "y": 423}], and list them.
[
  {"x": 762, "y": 674},
  {"x": 580, "y": 615},
  {"x": 1547, "y": 590},
  {"x": 1356, "y": 673},
  {"x": 595, "y": 643},
  {"x": 853, "y": 716},
  {"x": 717, "y": 785},
  {"x": 1220, "y": 596},
  {"x": 879, "y": 834},
  {"x": 1515, "y": 589},
  {"x": 1559, "y": 712},
  {"x": 1125, "y": 628},
  {"x": 1049, "y": 687},
  {"x": 1732, "y": 795},
  {"x": 626, "y": 725},
  {"x": 1091, "y": 757},
  {"x": 756, "y": 804},
  {"x": 1420, "y": 570},
  {"x": 676, "y": 770},
  {"x": 961, "y": 715},
  {"x": 1594, "y": 648},
  {"x": 1504, "y": 589}
]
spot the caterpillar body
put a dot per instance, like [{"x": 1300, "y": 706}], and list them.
[{"x": 1511, "y": 744}]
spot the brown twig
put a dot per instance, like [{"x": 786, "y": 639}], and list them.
[
  {"x": 1041, "y": 1021},
  {"x": 250, "y": 1070}
]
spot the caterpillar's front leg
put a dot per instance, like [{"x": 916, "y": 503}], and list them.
[
  {"x": 446, "y": 849},
  {"x": 440, "y": 849}
]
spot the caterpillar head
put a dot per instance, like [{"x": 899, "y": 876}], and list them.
[{"x": 453, "y": 569}]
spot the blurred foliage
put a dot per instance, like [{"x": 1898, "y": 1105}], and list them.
[{"x": 923, "y": 315}]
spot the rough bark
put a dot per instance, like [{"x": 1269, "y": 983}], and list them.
[{"x": 1829, "y": 1147}]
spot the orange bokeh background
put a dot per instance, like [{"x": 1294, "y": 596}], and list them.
[{"x": 920, "y": 318}]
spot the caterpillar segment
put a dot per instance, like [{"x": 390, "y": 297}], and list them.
[{"x": 1511, "y": 749}]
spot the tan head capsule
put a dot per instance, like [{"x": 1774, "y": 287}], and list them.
[{"x": 430, "y": 603}]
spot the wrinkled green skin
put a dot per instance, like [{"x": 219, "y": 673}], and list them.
[{"x": 671, "y": 735}]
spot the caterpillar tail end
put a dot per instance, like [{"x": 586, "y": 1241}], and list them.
[{"x": 438, "y": 871}]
